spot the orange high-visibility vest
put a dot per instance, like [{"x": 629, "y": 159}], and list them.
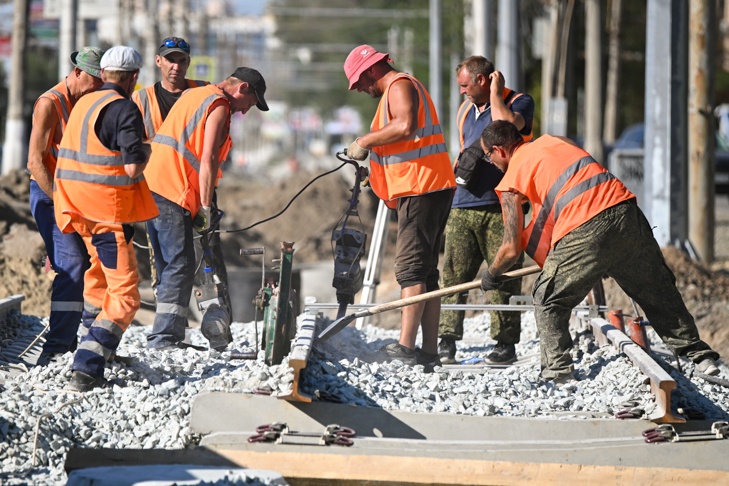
[
  {"x": 419, "y": 165},
  {"x": 90, "y": 181},
  {"x": 174, "y": 167},
  {"x": 566, "y": 187},
  {"x": 61, "y": 99},
  {"x": 149, "y": 106},
  {"x": 508, "y": 95}
]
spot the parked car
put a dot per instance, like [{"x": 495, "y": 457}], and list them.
[{"x": 633, "y": 137}]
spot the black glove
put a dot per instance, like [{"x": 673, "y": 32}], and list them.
[{"x": 489, "y": 282}]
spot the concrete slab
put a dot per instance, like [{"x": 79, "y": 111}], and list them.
[{"x": 506, "y": 444}]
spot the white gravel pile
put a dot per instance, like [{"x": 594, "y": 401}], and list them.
[{"x": 40, "y": 420}]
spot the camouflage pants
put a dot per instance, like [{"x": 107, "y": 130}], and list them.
[
  {"x": 473, "y": 236},
  {"x": 618, "y": 242}
]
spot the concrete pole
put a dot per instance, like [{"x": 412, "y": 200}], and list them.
[
  {"x": 725, "y": 37},
  {"x": 67, "y": 36},
  {"x": 435, "y": 54},
  {"x": 508, "y": 48},
  {"x": 482, "y": 29},
  {"x": 549, "y": 61},
  {"x": 593, "y": 80},
  {"x": 702, "y": 29},
  {"x": 152, "y": 41},
  {"x": 610, "y": 122},
  {"x": 14, "y": 148},
  {"x": 666, "y": 119}
]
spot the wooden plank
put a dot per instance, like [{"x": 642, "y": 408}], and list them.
[{"x": 371, "y": 469}]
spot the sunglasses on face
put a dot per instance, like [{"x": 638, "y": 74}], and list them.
[{"x": 175, "y": 42}]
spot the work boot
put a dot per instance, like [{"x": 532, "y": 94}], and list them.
[
  {"x": 396, "y": 351},
  {"x": 428, "y": 360},
  {"x": 215, "y": 327},
  {"x": 707, "y": 366},
  {"x": 502, "y": 354},
  {"x": 447, "y": 350},
  {"x": 83, "y": 382}
]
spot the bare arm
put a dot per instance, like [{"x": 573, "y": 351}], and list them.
[
  {"x": 403, "y": 102},
  {"x": 45, "y": 119},
  {"x": 499, "y": 111},
  {"x": 510, "y": 248},
  {"x": 209, "y": 163}
]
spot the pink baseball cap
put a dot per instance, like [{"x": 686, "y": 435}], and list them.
[{"x": 360, "y": 60}]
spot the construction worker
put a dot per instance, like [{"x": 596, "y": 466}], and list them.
[
  {"x": 155, "y": 102},
  {"x": 475, "y": 227},
  {"x": 411, "y": 172},
  {"x": 586, "y": 225},
  {"x": 99, "y": 192},
  {"x": 66, "y": 251},
  {"x": 184, "y": 168}
]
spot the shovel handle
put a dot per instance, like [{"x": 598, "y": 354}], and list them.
[
  {"x": 521, "y": 272},
  {"x": 343, "y": 322}
]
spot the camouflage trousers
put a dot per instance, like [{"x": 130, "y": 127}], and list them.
[
  {"x": 617, "y": 242},
  {"x": 472, "y": 236}
]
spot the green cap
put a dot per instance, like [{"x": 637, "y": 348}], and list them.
[{"x": 87, "y": 59}]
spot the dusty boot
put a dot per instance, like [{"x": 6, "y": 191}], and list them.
[
  {"x": 215, "y": 327},
  {"x": 447, "y": 350}
]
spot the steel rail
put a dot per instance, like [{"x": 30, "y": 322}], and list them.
[{"x": 661, "y": 382}]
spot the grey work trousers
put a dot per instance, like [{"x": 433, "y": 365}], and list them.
[{"x": 617, "y": 242}]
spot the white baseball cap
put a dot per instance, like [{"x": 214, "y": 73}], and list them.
[{"x": 121, "y": 58}]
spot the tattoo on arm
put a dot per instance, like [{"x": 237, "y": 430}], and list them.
[{"x": 513, "y": 218}]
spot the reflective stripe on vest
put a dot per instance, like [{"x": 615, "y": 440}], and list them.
[
  {"x": 181, "y": 145},
  {"x": 418, "y": 165},
  {"x": 551, "y": 203},
  {"x": 148, "y": 105},
  {"x": 59, "y": 96}
]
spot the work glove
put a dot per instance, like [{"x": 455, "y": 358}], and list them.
[
  {"x": 203, "y": 219},
  {"x": 489, "y": 282},
  {"x": 356, "y": 152}
]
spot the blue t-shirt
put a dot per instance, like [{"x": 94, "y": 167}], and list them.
[{"x": 473, "y": 126}]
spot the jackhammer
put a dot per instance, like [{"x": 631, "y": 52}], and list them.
[
  {"x": 212, "y": 296},
  {"x": 349, "y": 245}
]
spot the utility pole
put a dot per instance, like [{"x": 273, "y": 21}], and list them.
[
  {"x": 67, "y": 36},
  {"x": 435, "y": 56},
  {"x": 507, "y": 50},
  {"x": 151, "y": 43},
  {"x": 481, "y": 26},
  {"x": 702, "y": 36},
  {"x": 14, "y": 149},
  {"x": 593, "y": 79},
  {"x": 610, "y": 122},
  {"x": 666, "y": 114}
]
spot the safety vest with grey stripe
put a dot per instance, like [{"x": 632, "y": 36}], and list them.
[
  {"x": 429, "y": 129},
  {"x": 551, "y": 203},
  {"x": 55, "y": 95},
  {"x": 83, "y": 156},
  {"x": 180, "y": 146},
  {"x": 144, "y": 95}
]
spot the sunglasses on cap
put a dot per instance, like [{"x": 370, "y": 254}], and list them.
[{"x": 175, "y": 42}]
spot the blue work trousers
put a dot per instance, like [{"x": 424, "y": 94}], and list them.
[
  {"x": 69, "y": 260},
  {"x": 171, "y": 237}
]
